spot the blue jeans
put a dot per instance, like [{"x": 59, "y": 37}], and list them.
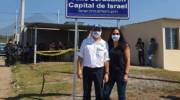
[
  {"x": 90, "y": 75},
  {"x": 121, "y": 86}
]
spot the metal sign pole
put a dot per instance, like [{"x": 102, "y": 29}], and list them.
[
  {"x": 58, "y": 17},
  {"x": 75, "y": 58},
  {"x": 118, "y": 23},
  {"x": 35, "y": 45}
]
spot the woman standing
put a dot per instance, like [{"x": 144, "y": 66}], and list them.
[{"x": 119, "y": 53}]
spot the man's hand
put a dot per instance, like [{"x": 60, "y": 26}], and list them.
[
  {"x": 79, "y": 69},
  {"x": 79, "y": 74},
  {"x": 106, "y": 77}
]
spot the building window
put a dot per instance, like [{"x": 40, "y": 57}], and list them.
[{"x": 171, "y": 35}]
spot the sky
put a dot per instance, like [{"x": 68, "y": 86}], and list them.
[{"x": 140, "y": 10}]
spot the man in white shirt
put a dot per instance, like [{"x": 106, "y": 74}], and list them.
[{"x": 94, "y": 58}]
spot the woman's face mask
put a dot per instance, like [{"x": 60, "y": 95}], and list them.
[
  {"x": 115, "y": 37},
  {"x": 96, "y": 34}
]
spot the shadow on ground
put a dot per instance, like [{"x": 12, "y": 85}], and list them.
[
  {"x": 35, "y": 96},
  {"x": 171, "y": 97}
]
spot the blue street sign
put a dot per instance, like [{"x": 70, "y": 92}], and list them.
[{"x": 110, "y": 9}]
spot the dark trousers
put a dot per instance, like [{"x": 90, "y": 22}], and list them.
[
  {"x": 121, "y": 86},
  {"x": 90, "y": 75},
  {"x": 10, "y": 60},
  {"x": 141, "y": 58}
]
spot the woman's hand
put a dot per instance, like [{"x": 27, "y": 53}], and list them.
[
  {"x": 126, "y": 77},
  {"x": 106, "y": 77}
]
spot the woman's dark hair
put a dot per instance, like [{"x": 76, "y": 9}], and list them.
[{"x": 122, "y": 41}]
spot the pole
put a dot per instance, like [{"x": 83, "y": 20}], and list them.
[
  {"x": 6, "y": 37},
  {"x": 21, "y": 18},
  {"x": 118, "y": 23},
  {"x": 35, "y": 45},
  {"x": 75, "y": 58},
  {"x": 16, "y": 32},
  {"x": 58, "y": 16}
]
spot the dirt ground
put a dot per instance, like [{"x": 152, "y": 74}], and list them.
[
  {"x": 147, "y": 88},
  {"x": 140, "y": 87},
  {"x": 143, "y": 87},
  {"x": 5, "y": 80}
]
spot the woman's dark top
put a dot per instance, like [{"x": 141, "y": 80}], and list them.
[{"x": 117, "y": 59}]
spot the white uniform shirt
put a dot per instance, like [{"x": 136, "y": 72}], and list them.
[{"x": 94, "y": 54}]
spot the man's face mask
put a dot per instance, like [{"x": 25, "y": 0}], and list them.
[{"x": 96, "y": 34}]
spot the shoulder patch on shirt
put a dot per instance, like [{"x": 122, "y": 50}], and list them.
[{"x": 88, "y": 41}]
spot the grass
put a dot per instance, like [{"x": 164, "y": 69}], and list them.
[
  {"x": 28, "y": 80},
  {"x": 170, "y": 75}
]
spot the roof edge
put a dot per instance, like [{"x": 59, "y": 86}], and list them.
[{"x": 158, "y": 19}]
